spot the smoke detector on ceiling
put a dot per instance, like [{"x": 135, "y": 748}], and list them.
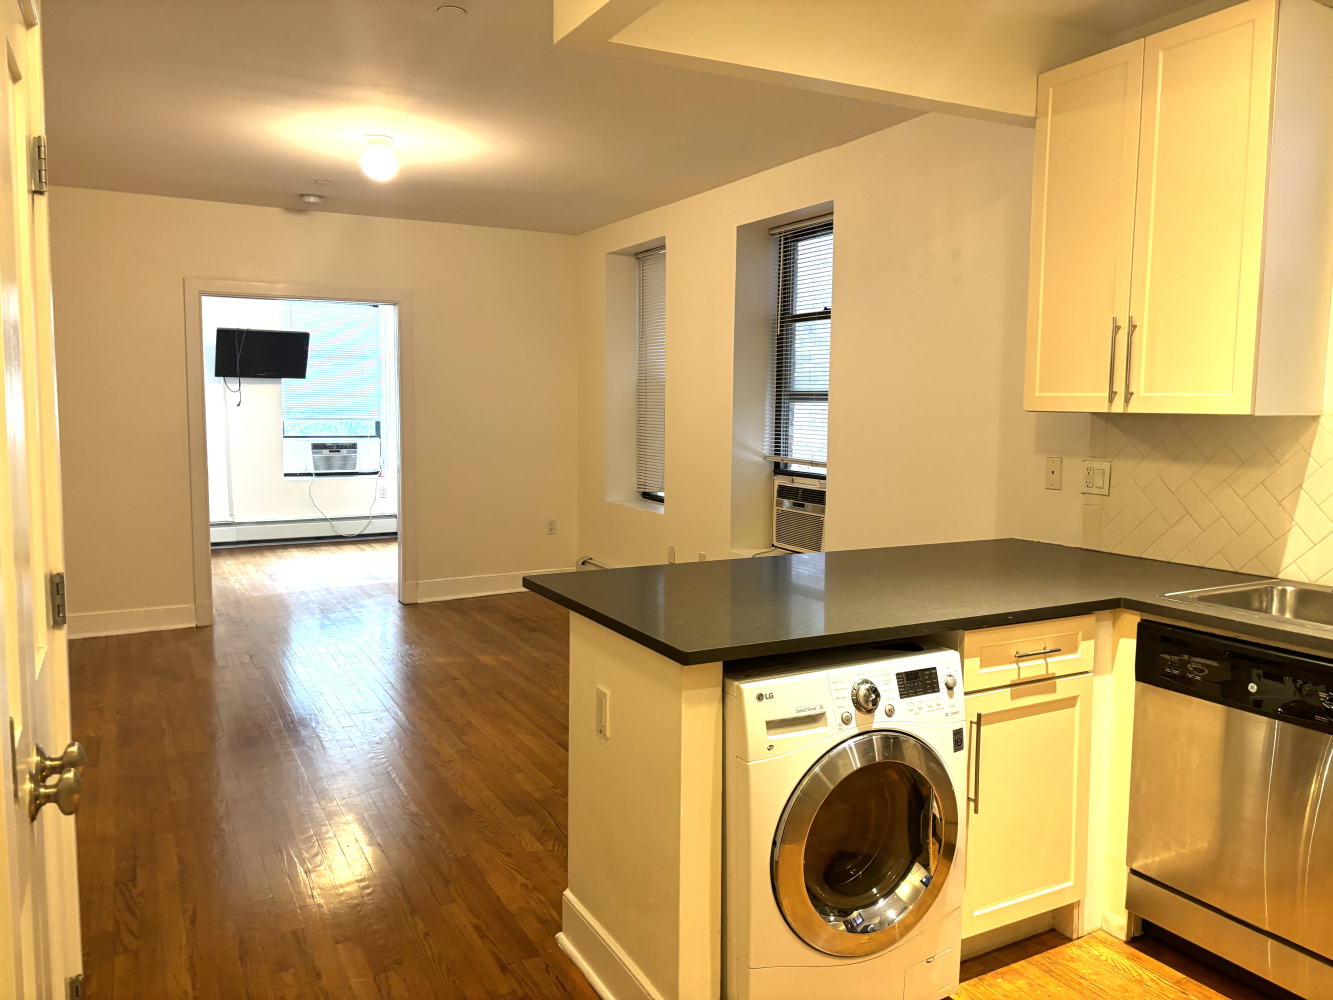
[
  {"x": 452, "y": 11},
  {"x": 312, "y": 199}
]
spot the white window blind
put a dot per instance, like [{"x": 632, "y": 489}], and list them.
[
  {"x": 343, "y": 391},
  {"x": 801, "y": 343},
  {"x": 650, "y": 440}
]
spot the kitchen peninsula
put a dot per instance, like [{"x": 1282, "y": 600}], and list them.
[{"x": 649, "y": 647}]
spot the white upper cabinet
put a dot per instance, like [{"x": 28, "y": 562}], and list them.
[
  {"x": 1182, "y": 241},
  {"x": 1083, "y": 230}
]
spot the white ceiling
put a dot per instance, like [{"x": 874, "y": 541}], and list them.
[{"x": 251, "y": 101}]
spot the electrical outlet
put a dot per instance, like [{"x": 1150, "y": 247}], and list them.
[
  {"x": 1096, "y": 477},
  {"x": 671, "y": 553},
  {"x": 604, "y": 713},
  {"x": 383, "y": 490},
  {"x": 550, "y": 526},
  {"x": 1054, "y": 473}
]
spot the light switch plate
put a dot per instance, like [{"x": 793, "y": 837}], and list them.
[
  {"x": 1096, "y": 478},
  {"x": 1054, "y": 473}
]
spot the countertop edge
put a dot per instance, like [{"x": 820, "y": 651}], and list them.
[{"x": 1163, "y": 607}]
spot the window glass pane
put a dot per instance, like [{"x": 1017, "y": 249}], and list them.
[
  {"x": 343, "y": 376},
  {"x": 808, "y": 423},
  {"x": 650, "y": 436},
  {"x": 813, "y": 274},
  {"x": 810, "y": 350},
  {"x": 802, "y": 346}
]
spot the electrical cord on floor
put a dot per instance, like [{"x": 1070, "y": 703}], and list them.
[{"x": 370, "y": 514}]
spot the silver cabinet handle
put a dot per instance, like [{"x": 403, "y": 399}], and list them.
[
  {"x": 1040, "y": 652},
  {"x": 975, "y": 797},
  {"x": 1129, "y": 357},
  {"x": 1110, "y": 377}
]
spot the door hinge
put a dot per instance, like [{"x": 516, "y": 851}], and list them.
[
  {"x": 56, "y": 594},
  {"x": 74, "y": 987},
  {"x": 39, "y": 179}
]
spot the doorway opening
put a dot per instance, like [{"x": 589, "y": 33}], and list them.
[{"x": 312, "y": 455}]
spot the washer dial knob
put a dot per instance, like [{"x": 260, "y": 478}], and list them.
[
  {"x": 950, "y": 681},
  {"x": 865, "y": 696}
]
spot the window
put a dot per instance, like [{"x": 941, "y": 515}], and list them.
[
  {"x": 650, "y": 438},
  {"x": 801, "y": 345},
  {"x": 342, "y": 394}
]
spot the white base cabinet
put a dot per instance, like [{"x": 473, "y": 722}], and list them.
[{"x": 1030, "y": 746}]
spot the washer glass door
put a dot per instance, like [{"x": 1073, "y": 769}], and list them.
[{"x": 865, "y": 844}]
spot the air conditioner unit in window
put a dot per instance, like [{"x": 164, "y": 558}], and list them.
[
  {"x": 798, "y": 513},
  {"x": 302, "y": 456},
  {"x": 332, "y": 456}
]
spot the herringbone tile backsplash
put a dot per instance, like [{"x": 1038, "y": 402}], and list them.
[{"x": 1247, "y": 493}]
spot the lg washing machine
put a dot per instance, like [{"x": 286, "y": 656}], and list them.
[{"x": 844, "y": 805}]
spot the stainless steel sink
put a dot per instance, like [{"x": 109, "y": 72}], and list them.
[{"x": 1303, "y": 603}]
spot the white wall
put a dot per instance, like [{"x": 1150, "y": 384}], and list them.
[
  {"x": 246, "y": 481},
  {"x": 494, "y": 383},
  {"x": 928, "y": 439}
]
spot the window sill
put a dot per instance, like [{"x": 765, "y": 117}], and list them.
[
  {"x": 329, "y": 475},
  {"x": 641, "y": 504}
]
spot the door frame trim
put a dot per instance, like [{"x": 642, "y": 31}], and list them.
[{"x": 200, "y": 536}]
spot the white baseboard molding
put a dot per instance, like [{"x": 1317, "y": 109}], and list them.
[
  {"x": 95, "y": 623},
  {"x": 608, "y": 970},
  {"x": 475, "y": 586},
  {"x": 263, "y": 531}
]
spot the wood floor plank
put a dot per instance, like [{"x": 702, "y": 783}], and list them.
[{"x": 360, "y": 800}]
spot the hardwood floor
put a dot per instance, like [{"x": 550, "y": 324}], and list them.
[
  {"x": 328, "y": 794},
  {"x": 1096, "y": 967}
]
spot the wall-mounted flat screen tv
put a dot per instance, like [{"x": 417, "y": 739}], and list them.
[{"x": 261, "y": 353}]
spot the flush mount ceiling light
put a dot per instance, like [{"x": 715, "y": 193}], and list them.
[{"x": 378, "y": 161}]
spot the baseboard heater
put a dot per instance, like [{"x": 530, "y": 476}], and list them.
[{"x": 229, "y": 532}]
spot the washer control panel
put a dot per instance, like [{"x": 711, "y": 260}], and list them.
[
  {"x": 927, "y": 686},
  {"x": 770, "y": 713}
]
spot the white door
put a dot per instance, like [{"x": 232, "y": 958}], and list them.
[{"x": 41, "y": 918}]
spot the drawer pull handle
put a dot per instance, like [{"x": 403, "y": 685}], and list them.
[{"x": 1040, "y": 652}]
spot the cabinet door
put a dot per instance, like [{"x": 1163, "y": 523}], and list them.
[
  {"x": 1082, "y": 231},
  {"x": 1027, "y": 808},
  {"x": 1198, "y": 241}
]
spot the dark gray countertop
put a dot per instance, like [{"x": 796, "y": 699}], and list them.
[{"x": 739, "y": 608}]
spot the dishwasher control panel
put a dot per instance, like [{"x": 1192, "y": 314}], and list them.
[{"x": 1255, "y": 678}]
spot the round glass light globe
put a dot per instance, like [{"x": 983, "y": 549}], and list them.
[{"x": 378, "y": 162}]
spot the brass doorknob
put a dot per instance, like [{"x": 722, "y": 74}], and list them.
[
  {"x": 72, "y": 756},
  {"x": 64, "y": 793}
]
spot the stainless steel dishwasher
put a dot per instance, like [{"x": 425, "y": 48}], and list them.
[{"x": 1231, "y": 812}]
